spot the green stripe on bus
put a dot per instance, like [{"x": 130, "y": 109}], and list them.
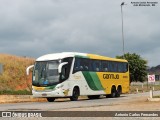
[
  {"x": 93, "y": 80},
  {"x": 89, "y": 80},
  {"x": 96, "y": 80},
  {"x": 51, "y": 87}
]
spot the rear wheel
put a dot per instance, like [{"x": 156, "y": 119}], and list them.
[
  {"x": 113, "y": 92},
  {"x": 75, "y": 94},
  {"x": 108, "y": 96},
  {"x": 93, "y": 96},
  {"x": 119, "y": 91},
  {"x": 50, "y": 99}
]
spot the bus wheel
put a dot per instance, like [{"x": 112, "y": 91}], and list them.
[
  {"x": 50, "y": 99},
  {"x": 75, "y": 94},
  {"x": 108, "y": 96},
  {"x": 113, "y": 92},
  {"x": 93, "y": 96},
  {"x": 119, "y": 91}
]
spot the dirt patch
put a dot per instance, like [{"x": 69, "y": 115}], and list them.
[{"x": 19, "y": 98}]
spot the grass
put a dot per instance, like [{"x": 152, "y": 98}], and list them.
[
  {"x": 18, "y": 92},
  {"x": 158, "y": 96},
  {"x": 14, "y": 76}
]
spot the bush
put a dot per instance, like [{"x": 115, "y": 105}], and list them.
[
  {"x": 14, "y": 73},
  {"x": 19, "y": 92}
]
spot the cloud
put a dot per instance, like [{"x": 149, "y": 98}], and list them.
[{"x": 33, "y": 28}]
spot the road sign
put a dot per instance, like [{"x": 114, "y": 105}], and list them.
[{"x": 151, "y": 78}]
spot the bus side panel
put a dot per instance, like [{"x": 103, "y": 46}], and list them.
[
  {"x": 88, "y": 82},
  {"x": 92, "y": 83},
  {"x": 109, "y": 79}
]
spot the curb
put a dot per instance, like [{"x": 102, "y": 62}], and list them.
[{"x": 154, "y": 99}]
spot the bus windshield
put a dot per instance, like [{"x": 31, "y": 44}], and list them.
[{"x": 46, "y": 73}]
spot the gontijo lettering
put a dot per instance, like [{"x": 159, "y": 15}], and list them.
[{"x": 110, "y": 76}]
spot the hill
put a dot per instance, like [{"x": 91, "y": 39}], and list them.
[
  {"x": 154, "y": 70},
  {"x": 14, "y": 76}
]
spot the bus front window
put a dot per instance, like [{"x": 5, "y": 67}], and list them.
[{"x": 46, "y": 73}]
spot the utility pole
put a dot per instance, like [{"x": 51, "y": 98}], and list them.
[{"x": 122, "y": 29}]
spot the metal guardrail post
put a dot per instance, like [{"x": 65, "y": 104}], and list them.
[{"x": 151, "y": 93}]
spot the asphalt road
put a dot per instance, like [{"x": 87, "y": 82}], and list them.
[{"x": 67, "y": 104}]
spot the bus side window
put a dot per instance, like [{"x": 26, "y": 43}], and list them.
[
  {"x": 66, "y": 68},
  {"x": 125, "y": 67},
  {"x": 104, "y": 66},
  {"x": 111, "y": 66},
  {"x": 77, "y": 67},
  {"x": 120, "y": 67},
  {"x": 81, "y": 64},
  {"x": 64, "y": 73},
  {"x": 115, "y": 66},
  {"x": 110, "y": 69},
  {"x": 86, "y": 65},
  {"x": 96, "y": 65}
]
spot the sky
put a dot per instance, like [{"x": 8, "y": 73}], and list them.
[{"x": 33, "y": 28}]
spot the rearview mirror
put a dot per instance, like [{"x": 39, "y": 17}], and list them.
[
  {"x": 60, "y": 66},
  {"x": 28, "y": 68}
]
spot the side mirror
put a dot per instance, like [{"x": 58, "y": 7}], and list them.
[
  {"x": 60, "y": 66},
  {"x": 28, "y": 68}
]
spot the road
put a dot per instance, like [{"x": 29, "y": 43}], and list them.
[
  {"x": 66, "y": 104},
  {"x": 127, "y": 102}
]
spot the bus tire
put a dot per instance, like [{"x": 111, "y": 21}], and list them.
[
  {"x": 93, "y": 96},
  {"x": 75, "y": 94},
  {"x": 50, "y": 99},
  {"x": 113, "y": 92},
  {"x": 119, "y": 91},
  {"x": 108, "y": 96}
]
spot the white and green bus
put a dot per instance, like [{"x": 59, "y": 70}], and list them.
[{"x": 71, "y": 74}]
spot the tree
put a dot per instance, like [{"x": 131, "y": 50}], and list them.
[{"x": 137, "y": 66}]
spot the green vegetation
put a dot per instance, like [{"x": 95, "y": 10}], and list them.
[
  {"x": 156, "y": 96},
  {"x": 18, "y": 92},
  {"x": 137, "y": 67},
  {"x": 14, "y": 79}
]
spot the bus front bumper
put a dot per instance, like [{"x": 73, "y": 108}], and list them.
[{"x": 55, "y": 93}]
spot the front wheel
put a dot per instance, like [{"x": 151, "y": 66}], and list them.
[
  {"x": 75, "y": 94},
  {"x": 50, "y": 99}
]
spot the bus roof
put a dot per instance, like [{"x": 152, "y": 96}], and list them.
[{"x": 57, "y": 56}]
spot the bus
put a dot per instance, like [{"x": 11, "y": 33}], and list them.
[{"x": 71, "y": 74}]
